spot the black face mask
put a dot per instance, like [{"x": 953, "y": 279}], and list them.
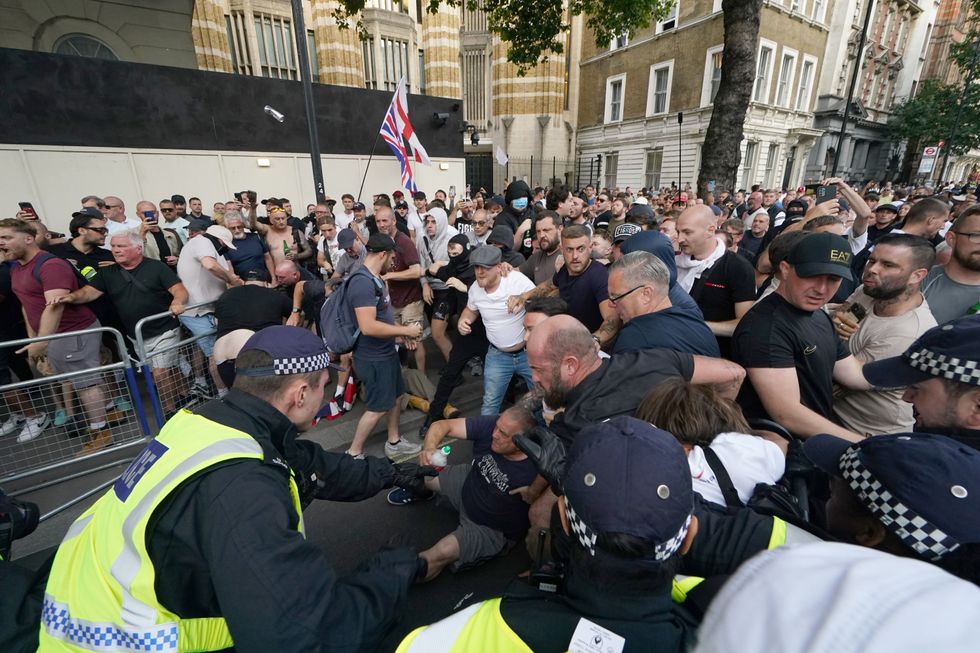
[{"x": 218, "y": 244}]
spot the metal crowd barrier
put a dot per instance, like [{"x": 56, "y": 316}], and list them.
[
  {"x": 182, "y": 360},
  {"x": 52, "y": 401}
]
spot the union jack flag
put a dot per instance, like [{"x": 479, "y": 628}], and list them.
[{"x": 396, "y": 129}]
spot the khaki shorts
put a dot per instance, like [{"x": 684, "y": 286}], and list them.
[
  {"x": 166, "y": 359},
  {"x": 411, "y": 314},
  {"x": 76, "y": 353}
]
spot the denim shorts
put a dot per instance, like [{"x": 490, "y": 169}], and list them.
[{"x": 198, "y": 324}]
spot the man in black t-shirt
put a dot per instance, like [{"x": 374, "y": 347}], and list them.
[
  {"x": 488, "y": 493},
  {"x": 719, "y": 280},
  {"x": 139, "y": 287},
  {"x": 788, "y": 346}
]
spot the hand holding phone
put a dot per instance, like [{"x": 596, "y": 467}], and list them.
[
  {"x": 26, "y": 207},
  {"x": 825, "y": 193}
]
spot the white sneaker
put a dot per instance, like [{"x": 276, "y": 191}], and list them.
[
  {"x": 402, "y": 448},
  {"x": 33, "y": 427},
  {"x": 13, "y": 423}
]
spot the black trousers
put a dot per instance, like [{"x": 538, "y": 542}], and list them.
[{"x": 464, "y": 348}]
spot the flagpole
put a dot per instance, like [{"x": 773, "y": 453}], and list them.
[{"x": 371, "y": 156}]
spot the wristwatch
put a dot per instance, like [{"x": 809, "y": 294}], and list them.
[{"x": 297, "y": 310}]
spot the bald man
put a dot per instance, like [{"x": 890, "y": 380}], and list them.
[
  {"x": 288, "y": 274},
  {"x": 116, "y": 220},
  {"x": 566, "y": 368},
  {"x": 719, "y": 280}
]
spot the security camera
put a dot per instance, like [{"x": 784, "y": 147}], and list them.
[
  {"x": 272, "y": 113},
  {"x": 439, "y": 119},
  {"x": 475, "y": 138}
]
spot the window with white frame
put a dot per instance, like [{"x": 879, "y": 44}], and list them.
[
  {"x": 655, "y": 161},
  {"x": 806, "y": 83},
  {"x": 794, "y": 5},
  {"x": 771, "y": 157},
  {"x": 615, "y": 92},
  {"x": 763, "y": 71},
  {"x": 612, "y": 170},
  {"x": 670, "y": 20},
  {"x": 787, "y": 72},
  {"x": 658, "y": 91},
  {"x": 619, "y": 41},
  {"x": 748, "y": 164},
  {"x": 712, "y": 74},
  {"x": 818, "y": 10}
]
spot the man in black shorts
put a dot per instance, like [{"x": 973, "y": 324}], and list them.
[
  {"x": 788, "y": 346},
  {"x": 487, "y": 493}
]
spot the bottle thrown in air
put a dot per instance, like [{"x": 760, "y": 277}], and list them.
[{"x": 440, "y": 458}]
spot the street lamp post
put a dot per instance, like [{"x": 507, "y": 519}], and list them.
[
  {"x": 299, "y": 27},
  {"x": 680, "y": 150},
  {"x": 850, "y": 88}
]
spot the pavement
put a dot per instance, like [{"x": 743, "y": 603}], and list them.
[{"x": 347, "y": 532}]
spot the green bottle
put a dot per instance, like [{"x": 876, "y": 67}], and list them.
[
  {"x": 285, "y": 248},
  {"x": 974, "y": 310}
]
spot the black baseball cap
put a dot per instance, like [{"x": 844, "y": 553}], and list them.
[
  {"x": 90, "y": 212},
  {"x": 886, "y": 207},
  {"x": 419, "y": 195},
  {"x": 358, "y": 206},
  {"x": 274, "y": 201},
  {"x": 624, "y": 231},
  {"x": 379, "y": 242},
  {"x": 346, "y": 238},
  {"x": 178, "y": 199},
  {"x": 924, "y": 488},
  {"x": 197, "y": 224},
  {"x": 950, "y": 351},
  {"x": 821, "y": 253}
]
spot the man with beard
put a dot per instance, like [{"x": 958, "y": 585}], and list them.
[
  {"x": 894, "y": 314},
  {"x": 251, "y": 252},
  {"x": 542, "y": 264},
  {"x": 953, "y": 290}
]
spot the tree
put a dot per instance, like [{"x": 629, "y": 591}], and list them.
[
  {"x": 531, "y": 28},
  {"x": 721, "y": 152}
]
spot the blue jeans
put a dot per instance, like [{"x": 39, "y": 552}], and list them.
[
  {"x": 198, "y": 324},
  {"x": 498, "y": 369}
]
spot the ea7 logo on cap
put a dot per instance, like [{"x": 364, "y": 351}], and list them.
[{"x": 840, "y": 256}]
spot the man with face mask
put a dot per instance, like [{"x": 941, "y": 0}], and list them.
[{"x": 516, "y": 210}]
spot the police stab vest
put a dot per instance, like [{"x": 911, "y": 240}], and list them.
[
  {"x": 480, "y": 627},
  {"x": 100, "y": 593}
]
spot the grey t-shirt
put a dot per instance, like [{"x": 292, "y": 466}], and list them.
[
  {"x": 948, "y": 299},
  {"x": 363, "y": 291},
  {"x": 346, "y": 264},
  {"x": 540, "y": 267}
]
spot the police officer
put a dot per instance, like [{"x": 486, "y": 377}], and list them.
[
  {"x": 628, "y": 510},
  {"x": 199, "y": 545}
]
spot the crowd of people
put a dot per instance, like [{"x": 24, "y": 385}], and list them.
[{"x": 672, "y": 385}]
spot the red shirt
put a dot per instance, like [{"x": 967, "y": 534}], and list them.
[
  {"x": 406, "y": 291},
  {"x": 55, "y": 273}
]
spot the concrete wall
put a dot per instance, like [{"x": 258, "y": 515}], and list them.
[{"x": 54, "y": 179}]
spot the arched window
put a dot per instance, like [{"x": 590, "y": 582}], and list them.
[{"x": 83, "y": 45}]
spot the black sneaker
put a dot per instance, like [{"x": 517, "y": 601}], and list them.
[{"x": 399, "y": 496}]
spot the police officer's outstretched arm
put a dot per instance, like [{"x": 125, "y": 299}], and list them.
[{"x": 279, "y": 592}]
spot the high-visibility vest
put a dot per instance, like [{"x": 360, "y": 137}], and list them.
[
  {"x": 480, "y": 627},
  {"x": 100, "y": 593}
]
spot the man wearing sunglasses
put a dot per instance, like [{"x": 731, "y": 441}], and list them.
[
  {"x": 116, "y": 219},
  {"x": 171, "y": 220},
  {"x": 88, "y": 235}
]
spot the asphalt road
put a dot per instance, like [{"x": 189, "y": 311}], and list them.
[{"x": 347, "y": 532}]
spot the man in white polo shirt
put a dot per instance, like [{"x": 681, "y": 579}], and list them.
[{"x": 505, "y": 330}]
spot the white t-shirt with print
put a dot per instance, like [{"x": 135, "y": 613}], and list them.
[{"x": 748, "y": 459}]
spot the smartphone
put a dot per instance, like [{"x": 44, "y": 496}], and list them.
[
  {"x": 151, "y": 217},
  {"x": 811, "y": 189},
  {"x": 452, "y": 191},
  {"x": 825, "y": 193},
  {"x": 26, "y": 207},
  {"x": 858, "y": 312}
]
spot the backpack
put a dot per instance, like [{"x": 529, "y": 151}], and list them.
[
  {"x": 338, "y": 323},
  {"x": 774, "y": 499},
  {"x": 43, "y": 257}
]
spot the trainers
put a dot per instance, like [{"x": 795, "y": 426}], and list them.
[
  {"x": 359, "y": 456},
  {"x": 402, "y": 448},
  {"x": 201, "y": 390},
  {"x": 97, "y": 441},
  {"x": 399, "y": 496},
  {"x": 13, "y": 423},
  {"x": 119, "y": 403},
  {"x": 33, "y": 427}
]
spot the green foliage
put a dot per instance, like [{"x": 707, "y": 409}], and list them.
[
  {"x": 929, "y": 117},
  {"x": 533, "y": 30}
]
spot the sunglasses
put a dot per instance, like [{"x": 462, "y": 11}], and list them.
[
  {"x": 113, "y": 206},
  {"x": 100, "y": 230},
  {"x": 168, "y": 210}
]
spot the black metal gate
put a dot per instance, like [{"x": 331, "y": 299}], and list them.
[{"x": 479, "y": 172}]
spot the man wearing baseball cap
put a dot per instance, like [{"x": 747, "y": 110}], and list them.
[
  {"x": 914, "y": 495},
  {"x": 941, "y": 375},
  {"x": 201, "y": 540},
  {"x": 628, "y": 512},
  {"x": 788, "y": 346}
]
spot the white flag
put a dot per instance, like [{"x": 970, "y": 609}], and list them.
[{"x": 500, "y": 156}]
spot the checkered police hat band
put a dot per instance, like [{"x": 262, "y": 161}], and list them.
[
  {"x": 587, "y": 537},
  {"x": 915, "y": 531},
  {"x": 293, "y": 365},
  {"x": 947, "y": 367}
]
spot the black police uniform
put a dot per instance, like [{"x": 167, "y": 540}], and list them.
[{"x": 226, "y": 544}]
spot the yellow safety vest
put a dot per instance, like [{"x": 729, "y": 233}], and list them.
[
  {"x": 100, "y": 593},
  {"x": 479, "y": 627}
]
